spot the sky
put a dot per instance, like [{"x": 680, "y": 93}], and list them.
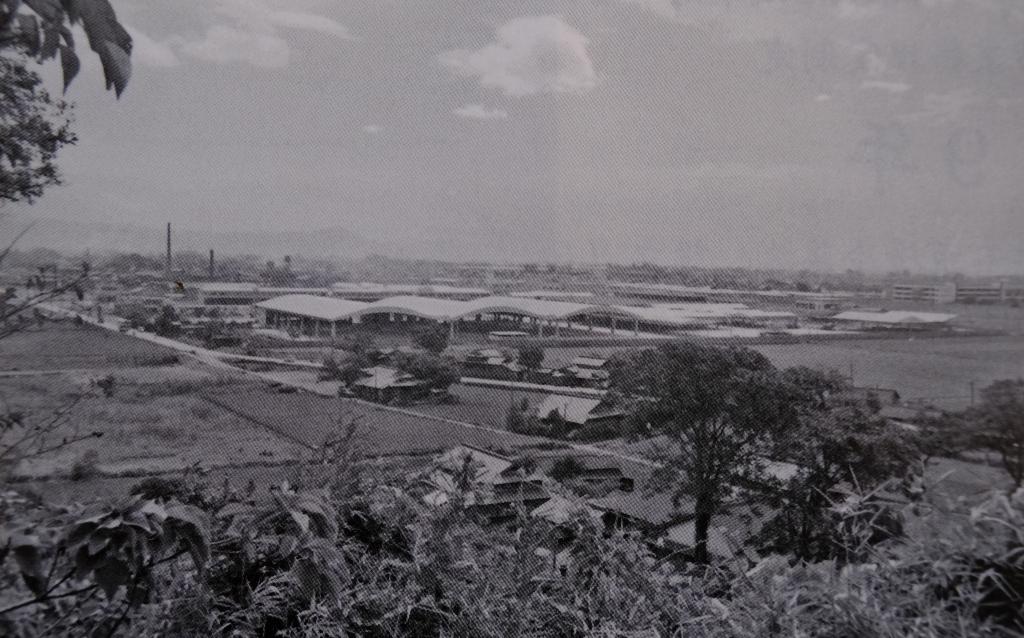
[{"x": 824, "y": 134}]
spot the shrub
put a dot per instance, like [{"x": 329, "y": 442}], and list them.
[{"x": 84, "y": 467}]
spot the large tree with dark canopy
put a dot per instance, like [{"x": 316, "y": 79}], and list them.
[
  {"x": 33, "y": 125},
  {"x": 1001, "y": 418},
  {"x": 721, "y": 409},
  {"x": 834, "y": 448},
  {"x": 33, "y": 128}
]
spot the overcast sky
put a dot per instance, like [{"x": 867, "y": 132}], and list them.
[{"x": 866, "y": 134}]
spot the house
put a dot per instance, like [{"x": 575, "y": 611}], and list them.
[
  {"x": 859, "y": 396},
  {"x": 893, "y": 319},
  {"x": 490, "y": 363},
  {"x": 491, "y": 491},
  {"x": 670, "y": 528},
  {"x": 590, "y": 363},
  {"x": 586, "y": 371},
  {"x": 388, "y": 385},
  {"x": 594, "y": 470},
  {"x": 577, "y": 412}
]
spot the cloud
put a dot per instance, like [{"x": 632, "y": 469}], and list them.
[
  {"x": 530, "y": 55},
  {"x": 372, "y": 129},
  {"x": 883, "y": 85},
  {"x": 858, "y": 10},
  {"x": 481, "y": 112},
  {"x": 249, "y": 31},
  {"x": 822, "y": 97},
  {"x": 148, "y": 52},
  {"x": 229, "y": 44},
  {"x": 944, "y": 109}
]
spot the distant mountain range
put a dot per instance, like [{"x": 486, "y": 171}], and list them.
[{"x": 73, "y": 236}]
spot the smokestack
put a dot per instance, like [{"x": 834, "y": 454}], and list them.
[
  {"x": 168, "y": 266},
  {"x": 212, "y": 268}
]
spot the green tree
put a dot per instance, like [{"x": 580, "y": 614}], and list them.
[
  {"x": 166, "y": 323},
  {"x": 432, "y": 338},
  {"x": 41, "y": 29},
  {"x": 438, "y": 373},
  {"x": 33, "y": 128},
  {"x": 1001, "y": 419},
  {"x": 836, "y": 449},
  {"x": 721, "y": 409},
  {"x": 531, "y": 357}
]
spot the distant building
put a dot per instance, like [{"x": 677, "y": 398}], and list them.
[
  {"x": 369, "y": 292},
  {"x": 980, "y": 294},
  {"x": 489, "y": 489},
  {"x": 893, "y": 319},
  {"x": 577, "y": 412},
  {"x": 218, "y": 293},
  {"x": 821, "y": 301},
  {"x": 388, "y": 385},
  {"x": 856, "y": 396},
  {"x": 937, "y": 292},
  {"x": 490, "y": 363}
]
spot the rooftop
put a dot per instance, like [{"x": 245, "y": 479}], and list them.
[
  {"x": 325, "y": 308},
  {"x": 572, "y": 409},
  {"x": 894, "y": 317}
]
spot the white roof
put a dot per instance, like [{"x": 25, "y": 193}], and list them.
[
  {"x": 489, "y": 471},
  {"x": 552, "y": 294},
  {"x": 541, "y": 308},
  {"x": 382, "y": 377},
  {"x": 225, "y": 286},
  {"x": 589, "y": 362},
  {"x": 894, "y": 316},
  {"x": 405, "y": 289},
  {"x": 559, "y": 509},
  {"x": 685, "y": 314},
  {"x": 326, "y": 308},
  {"x": 425, "y": 307},
  {"x": 438, "y": 309},
  {"x": 573, "y": 409},
  {"x": 249, "y": 287}
]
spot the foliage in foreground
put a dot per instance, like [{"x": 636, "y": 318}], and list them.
[{"x": 373, "y": 561}]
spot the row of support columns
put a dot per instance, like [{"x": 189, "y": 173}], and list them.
[{"x": 317, "y": 327}]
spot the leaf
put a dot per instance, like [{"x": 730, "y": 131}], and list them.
[
  {"x": 111, "y": 575},
  {"x": 233, "y": 509},
  {"x": 49, "y": 10},
  {"x": 109, "y": 40},
  {"x": 51, "y": 41},
  {"x": 27, "y": 555},
  {"x": 97, "y": 544},
  {"x": 320, "y": 571},
  {"x": 190, "y": 524},
  {"x": 29, "y": 26}
]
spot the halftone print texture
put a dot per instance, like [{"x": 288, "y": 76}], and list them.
[{"x": 578, "y": 318}]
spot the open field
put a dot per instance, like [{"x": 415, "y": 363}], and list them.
[
  {"x": 312, "y": 419},
  {"x": 260, "y": 476},
  {"x": 481, "y": 406},
  {"x": 65, "y": 346},
  {"x": 938, "y": 371},
  {"x": 155, "y": 421}
]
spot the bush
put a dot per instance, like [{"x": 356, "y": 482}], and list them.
[
  {"x": 565, "y": 468},
  {"x": 84, "y": 467}
]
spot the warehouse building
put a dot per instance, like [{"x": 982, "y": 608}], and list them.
[
  {"x": 935, "y": 292},
  {"x": 893, "y": 319},
  {"x": 322, "y": 316}
]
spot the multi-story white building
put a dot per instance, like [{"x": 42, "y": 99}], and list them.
[{"x": 939, "y": 292}]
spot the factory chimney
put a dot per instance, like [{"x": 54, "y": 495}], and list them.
[
  {"x": 167, "y": 267},
  {"x": 213, "y": 269}
]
